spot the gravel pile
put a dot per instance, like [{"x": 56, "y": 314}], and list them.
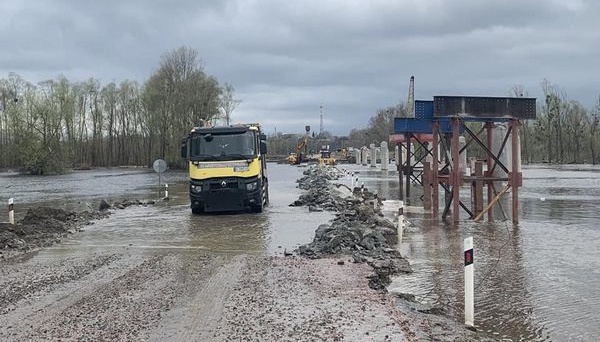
[
  {"x": 318, "y": 195},
  {"x": 42, "y": 227},
  {"x": 359, "y": 228}
]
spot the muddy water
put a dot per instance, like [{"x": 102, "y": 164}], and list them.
[
  {"x": 534, "y": 282},
  {"x": 168, "y": 224}
]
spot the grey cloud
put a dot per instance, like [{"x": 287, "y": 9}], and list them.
[{"x": 285, "y": 58}]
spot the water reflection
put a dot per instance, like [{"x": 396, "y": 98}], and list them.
[
  {"x": 170, "y": 224},
  {"x": 535, "y": 281}
]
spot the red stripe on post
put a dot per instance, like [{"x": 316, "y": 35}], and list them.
[{"x": 468, "y": 257}]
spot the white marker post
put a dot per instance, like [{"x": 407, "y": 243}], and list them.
[
  {"x": 400, "y": 223},
  {"x": 11, "y": 211},
  {"x": 469, "y": 289},
  {"x": 166, "y": 190}
]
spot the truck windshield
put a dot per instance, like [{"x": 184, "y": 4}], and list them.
[{"x": 230, "y": 146}]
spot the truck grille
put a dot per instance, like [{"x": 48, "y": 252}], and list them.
[
  {"x": 224, "y": 195},
  {"x": 223, "y": 184}
]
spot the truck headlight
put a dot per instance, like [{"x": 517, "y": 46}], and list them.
[
  {"x": 252, "y": 186},
  {"x": 196, "y": 188}
]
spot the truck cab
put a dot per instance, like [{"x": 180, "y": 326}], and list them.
[{"x": 227, "y": 168}]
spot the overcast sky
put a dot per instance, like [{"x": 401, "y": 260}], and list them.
[{"x": 287, "y": 58}]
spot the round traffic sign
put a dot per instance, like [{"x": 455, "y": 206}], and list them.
[{"x": 159, "y": 165}]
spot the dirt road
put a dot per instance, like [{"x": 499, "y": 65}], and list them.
[
  {"x": 191, "y": 296},
  {"x": 132, "y": 295}
]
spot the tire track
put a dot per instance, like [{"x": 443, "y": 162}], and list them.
[{"x": 196, "y": 316}]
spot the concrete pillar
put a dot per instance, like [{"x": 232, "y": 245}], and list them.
[
  {"x": 427, "y": 185},
  {"x": 489, "y": 172},
  {"x": 397, "y": 155},
  {"x": 373, "y": 155},
  {"x": 364, "y": 156},
  {"x": 477, "y": 195},
  {"x": 357, "y": 156},
  {"x": 498, "y": 135},
  {"x": 516, "y": 175},
  {"x": 455, "y": 174},
  {"x": 463, "y": 156},
  {"x": 411, "y": 161},
  {"x": 435, "y": 198},
  {"x": 385, "y": 155}
]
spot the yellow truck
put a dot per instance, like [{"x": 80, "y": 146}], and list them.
[{"x": 227, "y": 168}]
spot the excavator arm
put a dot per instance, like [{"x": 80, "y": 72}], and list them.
[{"x": 301, "y": 151}]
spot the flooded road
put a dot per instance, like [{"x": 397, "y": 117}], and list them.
[
  {"x": 533, "y": 282},
  {"x": 168, "y": 224}
]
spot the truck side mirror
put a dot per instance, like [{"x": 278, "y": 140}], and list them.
[
  {"x": 184, "y": 148},
  {"x": 263, "y": 137},
  {"x": 263, "y": 147}
]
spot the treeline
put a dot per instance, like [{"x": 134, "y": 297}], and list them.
[
  {"x": 57, "y": 124},
  {"x": 565, "y": 131}
]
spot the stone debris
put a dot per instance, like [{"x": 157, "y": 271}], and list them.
[
  {"x": 104, "y": 205},
  {"x": 358, "y": 229}
]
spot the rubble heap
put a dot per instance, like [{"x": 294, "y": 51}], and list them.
[{"x": 358, "y": 229}]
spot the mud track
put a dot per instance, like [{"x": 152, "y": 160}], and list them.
[
  {"x": 130, "y": 296},
  {"x": 193, "y": 296}
]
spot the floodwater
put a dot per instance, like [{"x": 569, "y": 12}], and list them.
[
  {"x": 537, "y": 281},
  {"x": 167, "y": 224}
]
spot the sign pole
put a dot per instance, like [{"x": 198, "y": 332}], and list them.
[
  {"x": 159, "y": 184},
  {"x": 159, "y": 167}
]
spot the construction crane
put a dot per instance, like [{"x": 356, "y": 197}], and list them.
[{"x": 410, "y": 104}]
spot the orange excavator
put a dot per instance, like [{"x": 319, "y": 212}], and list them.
[{"x": 301, "y": 154}]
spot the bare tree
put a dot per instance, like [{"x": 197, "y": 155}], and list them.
[
  {"x": 594, "y": 126},
  {"x": 574, "y": 128},
  {"x": 228, "y": 103},
  {"x": 178, "y": 96}
]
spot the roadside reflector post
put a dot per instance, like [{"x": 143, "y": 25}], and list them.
[
  {"x": 166, "y": 190},
  {"x": 400, "y": 223},
  {"x": 469, "y": 289},
  {"x": 11, "y": 211}
]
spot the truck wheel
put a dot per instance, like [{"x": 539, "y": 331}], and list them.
[
  {"x": 258, "y": 208},
  {"x": 197, "y": 210},
  {"x": 267, "y": 198},
  {"x": 264, "y": 199}
]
